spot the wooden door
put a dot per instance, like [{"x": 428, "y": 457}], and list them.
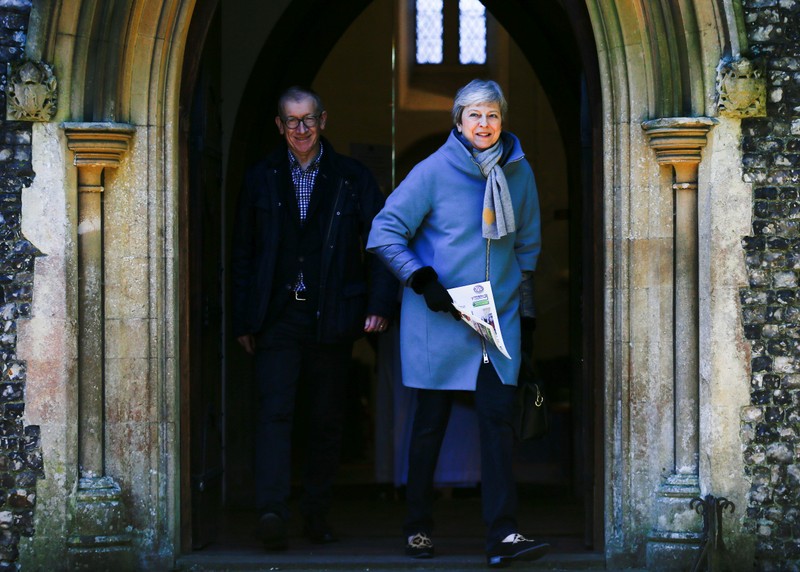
[{"x": 201, "y": 285}]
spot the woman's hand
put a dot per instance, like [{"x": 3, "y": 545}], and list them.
[{"x": 425, "y": 281}]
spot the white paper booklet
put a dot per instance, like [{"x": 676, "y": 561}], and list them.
[{"x": 478, "y": 311}]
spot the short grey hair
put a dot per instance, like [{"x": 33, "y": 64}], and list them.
[
  {"x": 297, "y": 93},
  {"x": 478, "y": 91}
]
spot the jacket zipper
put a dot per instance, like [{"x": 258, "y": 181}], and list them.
[{"x": 329, "y": 245}]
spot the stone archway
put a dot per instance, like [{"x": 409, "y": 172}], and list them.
[
  {"x": 120, "y": 62},
  {"x": 119, "y": 66},
  {"x": 667, "y": 360}
]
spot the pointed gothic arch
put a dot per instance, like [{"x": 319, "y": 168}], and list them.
[{"x": 122, "y": 61}]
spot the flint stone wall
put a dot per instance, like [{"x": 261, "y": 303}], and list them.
[
  {"x": 20, "y": 453},
  {"x": 771, "y": 304}
]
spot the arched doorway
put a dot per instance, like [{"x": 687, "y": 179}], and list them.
[
  {"x": 571, "y": 211},
  {"x": 656, "y": 61}
]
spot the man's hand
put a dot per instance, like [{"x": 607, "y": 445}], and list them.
[
  {"x": 375, "y": 324},
  {"x": 248, "y": 342}
]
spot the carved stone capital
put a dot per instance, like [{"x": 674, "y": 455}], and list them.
[
  {"x": 31, "y": 92},
  {"x": 741, "y": 88},
  {"x": 679, "y": 141},
  {"x": 98, "y": 144}
]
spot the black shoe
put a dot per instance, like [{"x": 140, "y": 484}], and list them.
[
  {"x": 273, "y": 531},
  {"x": 318, "y": 531},
  {"x": 514, "y": 547},
  {"x": 419, "y": 546}
]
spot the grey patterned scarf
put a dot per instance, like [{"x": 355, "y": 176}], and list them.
[{"x": 498, "y": 214}]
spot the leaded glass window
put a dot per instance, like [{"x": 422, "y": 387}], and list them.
[
  {"x": 471, "y": 32},
  {"x": 430, "y": 31}
]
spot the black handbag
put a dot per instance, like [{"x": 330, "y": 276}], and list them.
[{"x": 531, "y": 415}]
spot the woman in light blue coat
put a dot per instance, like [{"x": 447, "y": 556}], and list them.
[{"x": 468, "y": 213}]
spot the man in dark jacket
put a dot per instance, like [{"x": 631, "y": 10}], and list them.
[{"x": 303, "y": 290}]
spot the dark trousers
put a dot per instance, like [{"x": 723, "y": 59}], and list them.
[
  {"x": 494, "y": 403},
  {"x": 287, "y": 356}
]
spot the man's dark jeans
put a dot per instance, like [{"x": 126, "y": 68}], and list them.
[{"x": 287, "y": 356}]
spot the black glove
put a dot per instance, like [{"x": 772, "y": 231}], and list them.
[{"x": 425, "y": 281}]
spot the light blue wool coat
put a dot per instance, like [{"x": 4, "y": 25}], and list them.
[{"x": 433, "y": 218}]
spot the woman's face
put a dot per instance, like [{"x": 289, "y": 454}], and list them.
[{"x": 481, "y": 124}]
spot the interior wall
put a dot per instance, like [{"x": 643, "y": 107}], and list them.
[
  {"x": 246, "y": 24},
  {"x": 355, "y": 82},
  {"x": 531, "y": 118}
]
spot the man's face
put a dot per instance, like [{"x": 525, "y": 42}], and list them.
[{"x": 303, "y": 141}]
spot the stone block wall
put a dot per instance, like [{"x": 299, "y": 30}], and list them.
[
  {"x": 771, "y": 304},
  {"x": 20, "y": 453}
]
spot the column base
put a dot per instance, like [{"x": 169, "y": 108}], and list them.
[
  {"x": 99, "y": 539},
  {"x": 674, "y": 542}
]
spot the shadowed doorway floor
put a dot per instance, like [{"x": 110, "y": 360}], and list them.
[{"x": 368, "y": 520}]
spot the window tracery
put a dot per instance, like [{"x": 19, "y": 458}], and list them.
[{"x": 443, "y": 30}]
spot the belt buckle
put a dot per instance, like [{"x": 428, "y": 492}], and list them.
[{"x": 300, "y": 295}]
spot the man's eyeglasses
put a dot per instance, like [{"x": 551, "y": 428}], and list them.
[{"x": 294, "y": 122}]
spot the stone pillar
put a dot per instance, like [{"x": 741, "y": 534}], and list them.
[
  {"x": 678, "y": 142},
  {"x": 90, "y": 321},
  {"x": 98, "y": 538}
]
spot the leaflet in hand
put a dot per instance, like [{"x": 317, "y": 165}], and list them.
[{"x": 476, "y": 304}]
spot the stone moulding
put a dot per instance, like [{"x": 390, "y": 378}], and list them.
[
  {"x": 678, "y": 139},
  {"x": 98, "y": 144},
  {"x": 741, "y": 89},
  {"x": 100, "y": 532},
  {"x": 31, "y": 92},
  {"x": 678, "y": 142}
]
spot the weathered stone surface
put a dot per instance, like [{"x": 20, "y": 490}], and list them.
[
  {"x": 20, "y": 453},
  {"x": 770, "y": 159}
]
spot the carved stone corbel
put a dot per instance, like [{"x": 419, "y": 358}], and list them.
[
  {"x": 32, "y": 91},
  {"x": 741, "y": 89}
]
